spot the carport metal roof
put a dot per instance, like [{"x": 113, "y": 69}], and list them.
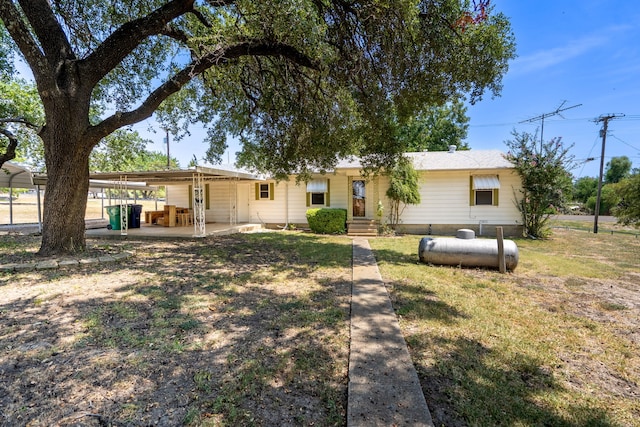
[
  {"x": 175, "y": 176},
  {"x": 15, "y": 175}
]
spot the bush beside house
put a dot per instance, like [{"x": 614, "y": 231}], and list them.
[{"x": 327, "y": 221}]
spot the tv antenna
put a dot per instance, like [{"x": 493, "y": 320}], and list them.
[{"x": 541, "y": 117}]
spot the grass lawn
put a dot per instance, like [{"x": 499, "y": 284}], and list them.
[
  {"x": 254, "y": 330},
  {"x": 240, "y": 330},
  {"x": 557, "y": 342}
]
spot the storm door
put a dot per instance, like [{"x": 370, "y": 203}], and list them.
[{"x": 359, "y": 199}]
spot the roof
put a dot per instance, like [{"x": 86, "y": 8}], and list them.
[
  {"x": 447, "y": 160},
  {"x": 179, "y": 175},
  {"x": 15, "y": 175},
  {"x": 460, "y": 159}
]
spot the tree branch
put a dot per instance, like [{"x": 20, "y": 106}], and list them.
[
  {"x": 20, "y": 120},
  {"x": 220, "y": 56},
  {"x": 47, "y": 29},
  {"x": 10, "y": 152},
  {"x": 129, "y": 36},
  {"x": 17, "y": 28}
]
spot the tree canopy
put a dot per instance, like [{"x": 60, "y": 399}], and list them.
[
  {"x": 21, "y": 116},
  {"x": 437, "y": 128},
  {"x": 628, "y": 191},
  {"x": 302, "y": 83},
  {"x": 617, "y": 169}
]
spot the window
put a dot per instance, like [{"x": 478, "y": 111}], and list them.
[
  {"x": 317, "y": 198},
  {"x": 484, "y": 190},
  {"x": 484, "y": 197},
  {"x": 264, "y": 191},
  {"x": 318, "y": 192}
]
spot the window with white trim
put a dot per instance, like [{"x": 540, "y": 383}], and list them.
[
  {"x": 318, "y": 192},
  {"x": 264, "y": 191}
]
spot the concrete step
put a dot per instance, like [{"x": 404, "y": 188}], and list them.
[{"x": 362, "y": 227}]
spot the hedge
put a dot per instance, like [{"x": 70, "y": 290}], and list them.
[{"x": 327, "y": 221}]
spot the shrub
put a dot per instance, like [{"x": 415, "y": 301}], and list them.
[{"x": 327, "y": 221}]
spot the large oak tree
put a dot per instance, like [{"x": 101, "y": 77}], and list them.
[{"x": 300, "y": 82}]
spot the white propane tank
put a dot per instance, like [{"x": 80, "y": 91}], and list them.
[{"x": 467, "y": 252}]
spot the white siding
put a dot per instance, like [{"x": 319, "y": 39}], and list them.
[
  {"x": 445, "y": 200},
  {"x": 290, "y": 201}
]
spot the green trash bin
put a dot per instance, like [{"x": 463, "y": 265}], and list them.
[{"x": 114, "y": 216}]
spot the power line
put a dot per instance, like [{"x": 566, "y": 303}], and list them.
[{"x": 626, "y": 143}]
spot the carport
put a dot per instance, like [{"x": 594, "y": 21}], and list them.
[
  {"x": 196, "y": 177},
  {"x": 14, "y": 175}
]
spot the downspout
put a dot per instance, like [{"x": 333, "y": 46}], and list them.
[
  {"x": 39, "y": 210},
  {"x": 286, "y": 206}
]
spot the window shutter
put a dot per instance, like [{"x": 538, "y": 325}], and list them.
[
  {"x": 327, "y": 201},
  {"x": 496, "y": 195},
  {"x": 472, "y": 194},
  {"x": 206, "y": 197},
  {"x": 257, "y": 191},
  {"x": 271, "y": 190},
  {"x": 190, "y": 196},
  {"x": 308, "y": 199}
]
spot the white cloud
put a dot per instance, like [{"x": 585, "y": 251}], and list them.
[{"x": 545, "y": 59}]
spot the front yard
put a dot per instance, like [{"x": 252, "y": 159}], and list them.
[
  {"x": 555, "y": 343},
  {"x": 254, "y": 330}
]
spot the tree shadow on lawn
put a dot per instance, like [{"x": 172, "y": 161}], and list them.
[
  {"x": 466, "y": 383},
  {"x": 469, "y": 384},
  {"x": 215, "y": 347}
]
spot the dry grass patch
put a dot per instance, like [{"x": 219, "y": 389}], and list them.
[{"x": 242, "y": 330}]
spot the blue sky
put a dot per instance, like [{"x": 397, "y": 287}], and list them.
[{"x": 578, "y": 52}]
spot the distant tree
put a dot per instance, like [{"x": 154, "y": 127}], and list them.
[
  {"x": 617, "y": 169},
  {"x": 608, "y": 200},
  {"x": 154, "y": 161},
  {"x": 628, "y": 209},
  {"x": 546, "y": 181},
  {"x": 437, "y": 128},
  {"x": 21, "y": 116},
  {"x": 403, "y": 189},
  {"x": 584, "y": 188},
  {"x": 118, "y": 152}
]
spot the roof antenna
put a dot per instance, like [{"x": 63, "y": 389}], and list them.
[{"x": 541, "y": 117}]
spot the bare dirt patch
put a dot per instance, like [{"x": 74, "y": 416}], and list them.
[{"x": 246, "y": 330}]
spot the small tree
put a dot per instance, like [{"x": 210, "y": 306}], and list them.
[
  {"x": 628, "y": 210},
  {"x": 546, "y": 182},
  {"x": 403, "y": 189},
  {"x": 584, "y": 188}
]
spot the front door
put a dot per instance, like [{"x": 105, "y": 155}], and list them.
[
  {"x": 242, "y": 203},
  {"x": 359, "y": 192}
]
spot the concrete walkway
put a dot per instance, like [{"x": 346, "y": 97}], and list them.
[{"x": 384, "y": 389}]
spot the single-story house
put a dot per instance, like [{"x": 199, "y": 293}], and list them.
[{"x": 472, "y": 189}]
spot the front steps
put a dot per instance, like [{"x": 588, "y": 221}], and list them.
[{"x": 362, "y": 227}]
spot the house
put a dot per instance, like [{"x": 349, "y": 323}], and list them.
[{"x": 473, "y": 189}]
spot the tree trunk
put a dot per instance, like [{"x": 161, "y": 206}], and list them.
[{"x": 67, "y": 159}]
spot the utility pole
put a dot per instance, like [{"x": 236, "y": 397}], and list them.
[
  {"x": 541, "y": 117},
  {"x": 168, "y": 158},
  {"x": 603, "y": 133}
]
